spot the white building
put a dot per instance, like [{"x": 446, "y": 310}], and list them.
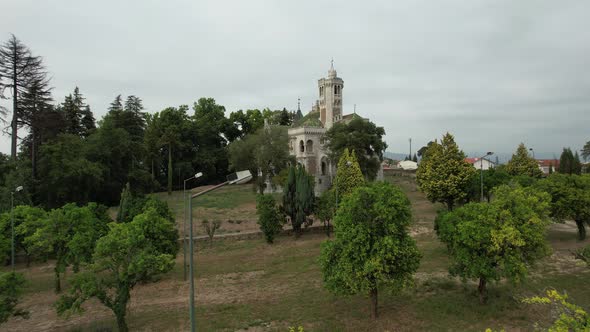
[
  {"x": 306, "y": 141},
  {"x": 480, "y": 163}
]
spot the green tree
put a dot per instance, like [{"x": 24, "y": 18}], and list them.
[
  {"x": 122, "y": 259},
  {"x": 498, "y": 240},
  {"x": 443, "y": 174},
  {"x": 570, "y": 317},
  {"x": 298, "y": 197},
  {"x": 372, "y": 246},
  {"x": 270, "y": 219},
  {"x": 304, "y": 199},
  {"x": 570, "y": 198},
  {"x": 348, "y": 174},
  {"x": 492, "y": 178},
  {"x": 522, "y": 164},
  {"x": 265, "y": 153},
  {"x": 27, "y": 220},
  {"x": 68, "y": 234},
  {"x": 361, "y": 136},
  {"x": 68, "y": 176},
  {"x": 325, "y": 208},
  {"x": 11, "y": 289}
]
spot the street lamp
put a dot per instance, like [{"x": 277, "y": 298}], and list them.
[
  {"x": 196, "y": 176},
  {"x": 533, "y": 151},
  {"x": 234, "y": 178},
  {"x": 19, "y": 188},
  {"x": 481, "y": 173}
]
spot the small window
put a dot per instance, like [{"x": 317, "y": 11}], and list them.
[
  {"x": 309, "y": 146},
  {"x": 323, "y": 168},
  {"x": 301, "y": 146}
]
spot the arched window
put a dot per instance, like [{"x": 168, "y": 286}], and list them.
[
  {"x": 301, "y": 146},
  {"x": 323, "y": 167},
  {"x": 309, "y": 146}
]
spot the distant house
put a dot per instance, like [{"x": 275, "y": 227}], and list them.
[
  {"x": 546, "y": 164},
  {"x": 408, "y": 165},
  {"x": 481, "y": 163}
]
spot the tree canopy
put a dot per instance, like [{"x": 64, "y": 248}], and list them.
[
  {"x": 131, "y": 253},
  {"x": 501, "y": 239},
  {"x": 444, "y": 175},
  {"x": 570, "y": 198},
  {"x": 372, "y": 246},
  {"x": 522, "y": 164},
  {"x": 361, "y": 136}
]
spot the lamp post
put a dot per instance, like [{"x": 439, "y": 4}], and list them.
[
  {"x": 19, "y": 188},
  {"x": 533, "y": 151},
  {"x": 235, "y": 178},
  {"x": 196, "y": 176},
  {"x": 481, "y": 173}
]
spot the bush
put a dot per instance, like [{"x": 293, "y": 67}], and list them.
[{"x": 269, "y": 217}]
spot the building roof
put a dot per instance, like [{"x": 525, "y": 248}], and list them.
[
  {"x": 474, "y": 160},
  {"x": 548, "y": 162},
  {"x": 311, "y": 119}
]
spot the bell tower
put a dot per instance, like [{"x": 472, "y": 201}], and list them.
[{"x": 330, "y": 89}]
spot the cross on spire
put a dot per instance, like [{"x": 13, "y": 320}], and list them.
[{"x": 332, "y": 64}]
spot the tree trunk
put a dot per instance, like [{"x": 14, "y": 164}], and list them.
[
  {"x": 13, "y": 124},
  {"x": 374, "y": 303},
  {"x": 169, "y": 169},
  {"x": 581, "y": 229},
  {"x": 121, "y": 323},
  {"x": 482, "y": 290},
  {"x": 120, "y": 307},
  {"x": 57, "y": 281},
  {"x": 450, "y": 204}
]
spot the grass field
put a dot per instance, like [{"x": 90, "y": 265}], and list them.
[{"x": 251, "y": 286}]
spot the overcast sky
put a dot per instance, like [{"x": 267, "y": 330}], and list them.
[{"x": 493, "y": 73}]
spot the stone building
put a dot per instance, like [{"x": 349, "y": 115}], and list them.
[{"x": 306, "y": 138}]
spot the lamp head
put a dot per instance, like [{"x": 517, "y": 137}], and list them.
[
  {"x": 19, "y": 188},
  {"x": 198, "y": 175},
  {"x": 239, "y": 177},
  {"x": 489, "y": 153}
]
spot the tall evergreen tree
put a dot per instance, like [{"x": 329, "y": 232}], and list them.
[
  {"x": 569, "y": 163},
  {"x": 18, "y": 68},
  {"x": 443, "y": 174},
  {"x": 35, "y": 103},
  {"x": 522, "y": 164}
]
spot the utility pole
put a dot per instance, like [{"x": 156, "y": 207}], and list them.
[{"x": 410, "y": 147}]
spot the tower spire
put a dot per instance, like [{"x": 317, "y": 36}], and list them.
[
  {"x": 332, "y": 64},
  {"x": 299, "y": 104}
]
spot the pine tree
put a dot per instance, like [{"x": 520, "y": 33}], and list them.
[
  {"x": 576, "y": 164},
  {"x": 567, "y": 162},
  {"x": 348, "y": 175},
  {"x": 415, "y": 158},
  {"x": 443, "y": 174},
  {"x": 298, "y": 197},
  {"x": 35, "y": 103},
  {"x": 116, "y": 105},
  {"x": 522, "y": 164},
  {"x": 18, "y": 69}
]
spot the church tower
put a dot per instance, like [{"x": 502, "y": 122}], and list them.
[{"x": 330, "y": 98}]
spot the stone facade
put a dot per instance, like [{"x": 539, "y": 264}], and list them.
[{"x": 306, "y": 140}]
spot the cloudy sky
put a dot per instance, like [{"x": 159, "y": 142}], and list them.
[{"x": 493, "y": 73}]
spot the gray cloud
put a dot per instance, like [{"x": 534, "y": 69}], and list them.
[{"x": 494, "y": 73}]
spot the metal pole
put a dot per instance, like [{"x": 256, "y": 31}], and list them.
[
  {"x": 481, "y": 177},
  {"x": 191, "y": 264},
  {"x": 191, "y": 270},
  {"x": 12, "y": 228},
  {"x": 184, "y": 230}
]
